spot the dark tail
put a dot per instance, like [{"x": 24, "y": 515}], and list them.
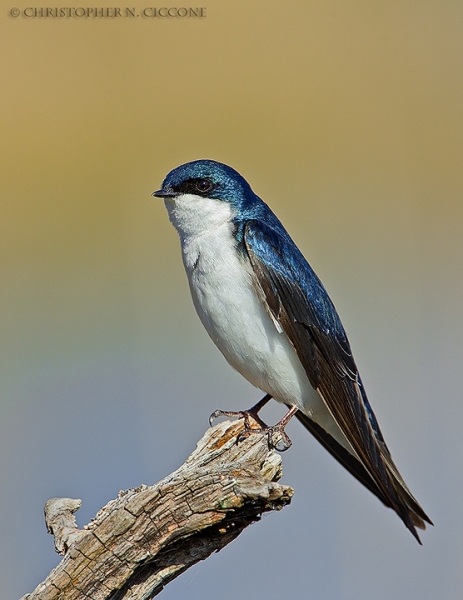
[{"x": 412, "y": 514}]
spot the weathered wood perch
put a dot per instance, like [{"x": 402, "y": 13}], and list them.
[{"x": 149, "y": 535}]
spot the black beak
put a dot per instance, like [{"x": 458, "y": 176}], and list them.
[{"x": 165, "y": 194}]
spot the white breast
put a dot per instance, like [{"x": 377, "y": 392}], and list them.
[{"x": 231, "y": 311}]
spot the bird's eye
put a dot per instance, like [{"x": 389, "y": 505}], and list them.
[{"x": 203, "y": 185}]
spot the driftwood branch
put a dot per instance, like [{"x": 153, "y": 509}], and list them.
[{"x": 147, "y": 536}]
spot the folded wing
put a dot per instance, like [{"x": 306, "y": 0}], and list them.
[{"x": 296, "y": 298}]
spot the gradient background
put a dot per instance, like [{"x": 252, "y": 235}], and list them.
[{"x": 346, "y": 117}]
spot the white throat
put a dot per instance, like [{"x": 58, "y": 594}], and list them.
[{"x": 193, "y": 215}]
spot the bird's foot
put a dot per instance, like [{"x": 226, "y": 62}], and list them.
[
  {"x": 277, "y": 437},
  {"x": 249, "y": 417}
]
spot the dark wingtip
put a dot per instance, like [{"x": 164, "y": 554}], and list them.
[{"x": 415, "y": 533}]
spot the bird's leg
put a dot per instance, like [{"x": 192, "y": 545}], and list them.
[
  {"x": 277, "y": 436},
  {"x": 247, "y": 415}
]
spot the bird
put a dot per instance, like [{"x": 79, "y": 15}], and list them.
[{"x": 269, "y": 314}]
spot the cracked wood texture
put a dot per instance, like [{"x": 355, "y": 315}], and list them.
[{"x": 149, "y": 535}]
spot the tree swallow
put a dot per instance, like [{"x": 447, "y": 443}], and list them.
[{"x": 270, "y": 316}]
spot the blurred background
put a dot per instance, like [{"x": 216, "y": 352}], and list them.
[{"x": 346, "y": 117}]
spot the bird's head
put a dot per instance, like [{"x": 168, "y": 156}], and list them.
[{"x": 207, "y": 179}]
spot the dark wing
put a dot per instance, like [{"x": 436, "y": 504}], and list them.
[{"x": 296, "y": 298}]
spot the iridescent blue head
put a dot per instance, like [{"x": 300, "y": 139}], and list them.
[{"x": 209, "y": 179}]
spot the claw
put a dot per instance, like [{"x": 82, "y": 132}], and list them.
[
  {"x": 278, "y": 439},
  {"x": 226, "y": 413}
]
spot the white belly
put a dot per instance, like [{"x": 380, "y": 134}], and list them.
[{"x": 234, "y": 317}]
